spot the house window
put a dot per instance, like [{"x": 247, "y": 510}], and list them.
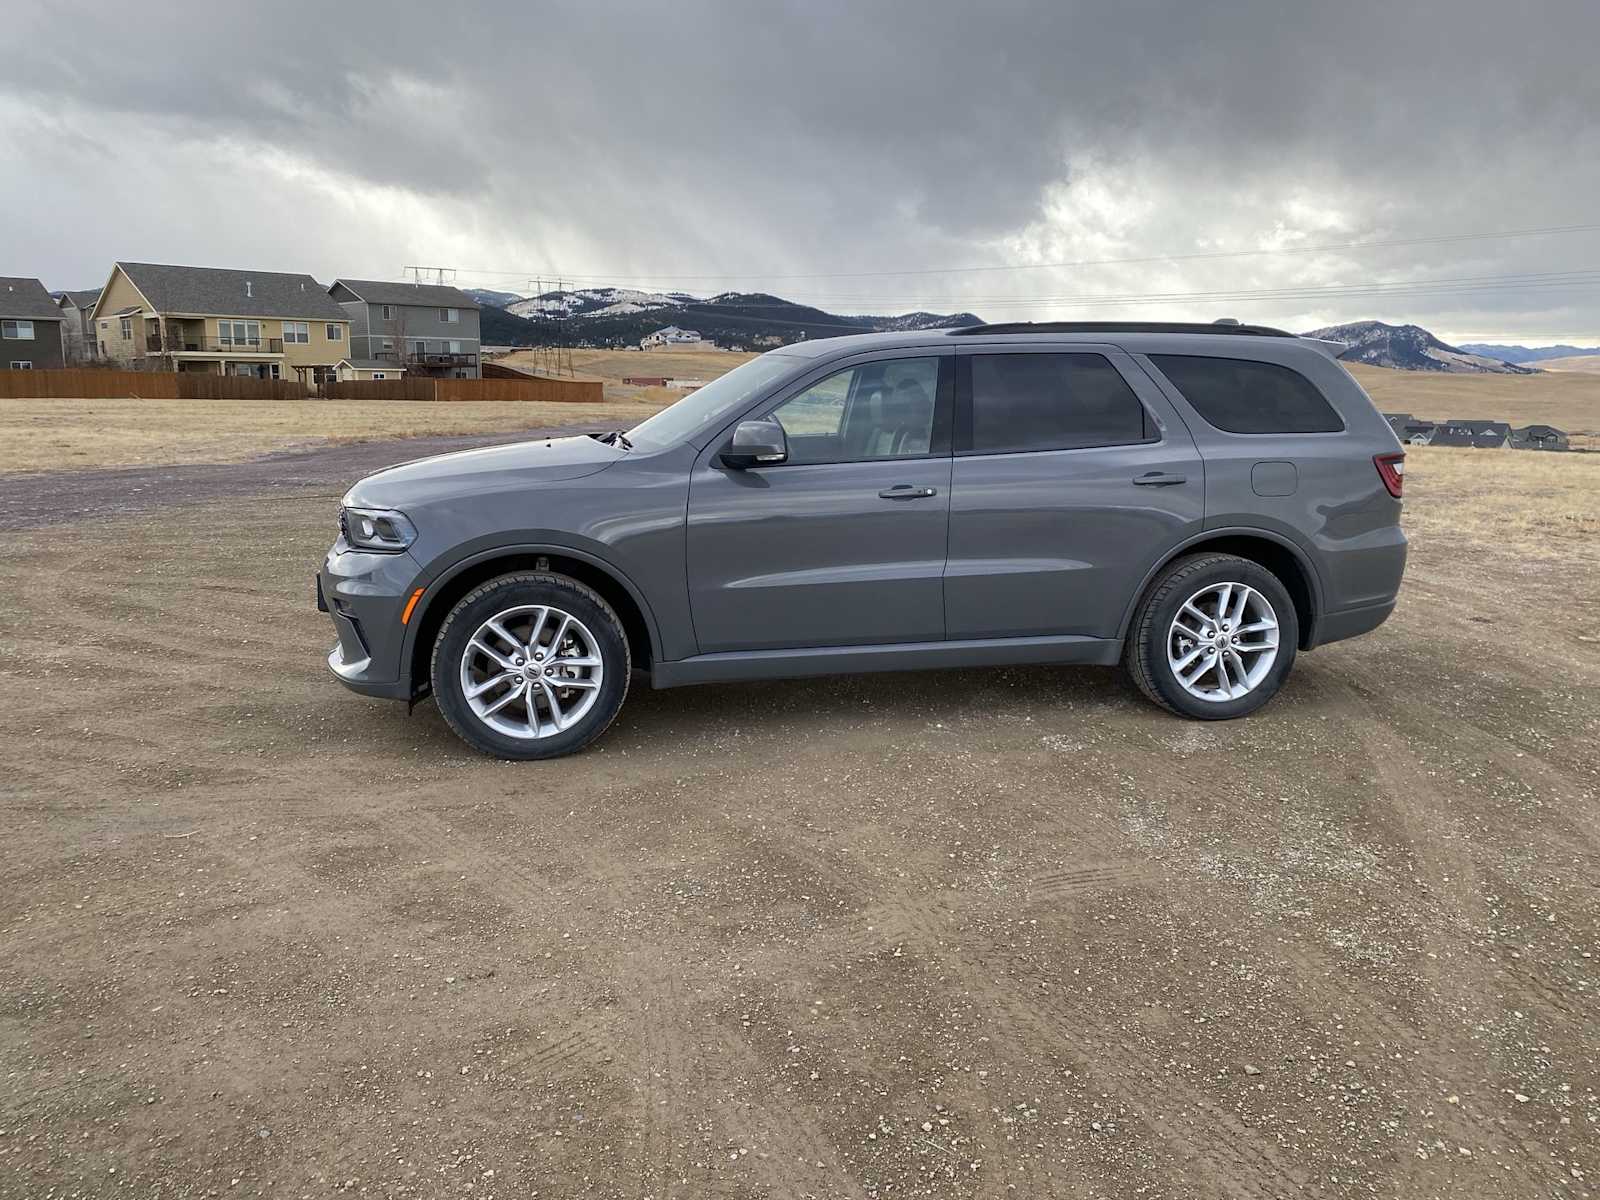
[
  {"x": 239, "y": 333},
  {"x": 388, "y": 343},
  {"x": 105, "y": 324},
  {"x": 335, "y": 333},
  {"x": 388, "y": 312},
  {"x": 298, "y": 332},
  {"x": 16, "y": 331},
  {"x": 127, "y": 327},
  {"x": 379, "y": 375},
  {"x": 21, "y": 365},
  {"x": 450, "y": 315},
  {"x": 455, "y": 347}
]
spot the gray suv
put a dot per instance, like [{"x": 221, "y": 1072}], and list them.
[{"x": 1197, "y": 502}]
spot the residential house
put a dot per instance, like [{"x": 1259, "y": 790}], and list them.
[
  {"x": 77, "y": 325},
  {"x": 1539, "y": 437},
  {"x": 370, "y": 368},
  {"x": 1418, "y": 432},
  {"x": 30, "y": 326},
  {"x": 670, "y": 336},
  {"x": 266, "y": 324},
  {"x": 428, "y": 329},
  {"x": 1481, "y": 435}
]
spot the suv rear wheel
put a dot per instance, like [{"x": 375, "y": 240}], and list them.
[
  {"x": 1213, "y": 638},
  {"x": 530, "y": 666}
]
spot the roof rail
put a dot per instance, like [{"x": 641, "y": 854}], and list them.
[{"x": 1231, "y": 327}]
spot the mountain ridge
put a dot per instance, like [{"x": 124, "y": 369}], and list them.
[
  {"x": 738, "y": 320},
  {"x": 1410, "y": 348},
  {"x": 1528, "y": 354}
]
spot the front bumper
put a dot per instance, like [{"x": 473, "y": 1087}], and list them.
[{"x": 365, "y": 594}]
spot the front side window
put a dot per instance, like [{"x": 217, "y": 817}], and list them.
[
  {"x": 127, "y": 327},
  {"x": 298, "y": 332},
  {"x": 335, "y": 333},
  {"x": 875, "y": 410},
  {"x": 17, "y": 331},
  {"x": 455, "y": 347},
  {"x": 1029, "y": 402},
  {"x": 21, "y": 365},
  {"x": 388, "y": 312},
  {"x": 1241, "y": 396},
  {"x": 450, "y": 315}
]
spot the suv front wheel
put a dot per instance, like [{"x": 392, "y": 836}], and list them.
[
  {"x": 530, "y": 666},
  {"x": 1213, "y": 638}
]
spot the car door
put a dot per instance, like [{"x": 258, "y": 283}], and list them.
[
  {"x": 1072, "y": 476},
  {"x": 844, "y": 543}
]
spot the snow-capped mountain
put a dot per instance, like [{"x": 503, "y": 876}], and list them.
[
  {"x": 1410, "y": 348},
  {"x": 747, "y": 320}
]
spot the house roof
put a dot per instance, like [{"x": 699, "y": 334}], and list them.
[
  {"x": 83, "y": 299},
  {"x": 1528, "y": 431},
  {"x": 26, "y": 298},
  {"x": 431, "y": 295},
  {"x": 1503, "y": 428},
  {"x": 207, "y": 290},
  {"x": 1482, "y": 441},
  {"x": 372, "y": 364}
]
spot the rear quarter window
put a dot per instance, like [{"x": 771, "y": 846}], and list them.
[{"x": 1238, "y": 395}]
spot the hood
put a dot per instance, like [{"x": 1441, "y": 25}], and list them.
[{"x": 490, "y": 469}]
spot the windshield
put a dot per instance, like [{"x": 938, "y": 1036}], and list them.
[{"x": 716, "y": 400}]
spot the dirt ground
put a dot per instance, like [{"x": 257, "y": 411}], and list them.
[{"x": 962, "y": 934}]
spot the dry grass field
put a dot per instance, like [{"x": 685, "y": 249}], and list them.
[
  {"x": 1528, "y": 504},
  {"x": 1589, "y": 363},
  {"x": 1568, "y": 400},
  {"x": 612, "y": 366},
  {"x": 48, "y": 435}
]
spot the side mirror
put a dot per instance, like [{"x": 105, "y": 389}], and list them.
[{"x": 756, "y": 444}]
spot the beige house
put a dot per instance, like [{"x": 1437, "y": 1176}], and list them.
[
  {"x": 264, "y": 324},
  {"x": 364, "y": 369}
]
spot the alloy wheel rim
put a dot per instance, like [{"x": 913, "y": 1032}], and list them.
[
  {"x": 1223, "y": 642},
  {"x": 531, "y": 672}
]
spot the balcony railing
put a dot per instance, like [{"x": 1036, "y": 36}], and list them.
[
  {"x": 177, "y": 344},
  {"x": 428, "y": 358}
]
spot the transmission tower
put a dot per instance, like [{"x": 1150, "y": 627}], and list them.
[{"x": 439, "y": 275}]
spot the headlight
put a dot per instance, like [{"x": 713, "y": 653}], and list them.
[{"x": 381, "y": 529}]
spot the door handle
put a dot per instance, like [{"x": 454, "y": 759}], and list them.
[
  {"x": 906, "y": 491},
  {"x": 1158, "y": 479}
]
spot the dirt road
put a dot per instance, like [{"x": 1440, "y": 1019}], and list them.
[{"x": 966, "y": 934}]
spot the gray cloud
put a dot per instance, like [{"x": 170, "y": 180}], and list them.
[{"x": 776, "y": 139}]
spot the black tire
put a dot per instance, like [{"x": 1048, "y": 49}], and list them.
[
  {"x": 509, "y": 591},
  {"x": 1145, "y": 654}
]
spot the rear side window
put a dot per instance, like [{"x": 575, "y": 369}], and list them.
[
  {"x": 1241, "y": 396},
  {"x": 1022, "y": 402}
]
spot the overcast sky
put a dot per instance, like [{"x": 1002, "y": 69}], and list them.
[{"x": 869, "y": 146}]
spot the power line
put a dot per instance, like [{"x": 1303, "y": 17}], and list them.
[{"x": 1190, "y": 256}]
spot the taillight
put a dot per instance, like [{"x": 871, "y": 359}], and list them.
[{"x": 1392, "y": 470}]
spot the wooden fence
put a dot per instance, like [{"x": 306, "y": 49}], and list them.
[
  {"x": 74, "y": 383},
  {"x": 97, "y": 384},
  {"x": 558, "y": 391}
]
